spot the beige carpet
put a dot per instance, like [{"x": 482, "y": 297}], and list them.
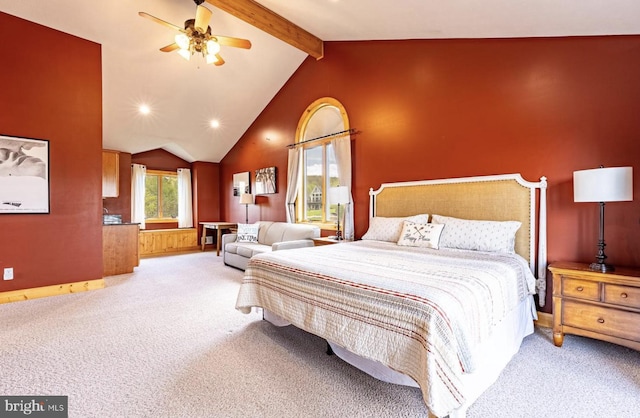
[{"x": 166, "y": 341}]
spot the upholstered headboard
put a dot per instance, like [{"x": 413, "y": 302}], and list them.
[{"x": 505, "y": 197}]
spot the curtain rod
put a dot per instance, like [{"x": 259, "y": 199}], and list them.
[{"x": 335, "y": 134}]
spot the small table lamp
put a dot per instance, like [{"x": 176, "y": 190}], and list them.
[
  {"x": 613, "y": 184},
  {"x": 339, "y": 195},
  {"x": 246, "y": 199}
]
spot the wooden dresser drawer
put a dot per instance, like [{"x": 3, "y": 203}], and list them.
[
  {"x": 622, "y": 295},
  {"x": 581, "y": 289},
  {"x": 608, "y": 321},
  {"x": 594, "y": 304}
]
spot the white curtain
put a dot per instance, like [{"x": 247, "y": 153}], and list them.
[
  {"x": 185, "y": 202},
  {"x": 293, "y": 176},
  {"x": 138, "y": 174},
  {"x": 342, "y": 149}
]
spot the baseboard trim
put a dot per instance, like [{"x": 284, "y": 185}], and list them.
[
  {"x": 53, "y": 290},
  {"x": 545, "y": 320}
]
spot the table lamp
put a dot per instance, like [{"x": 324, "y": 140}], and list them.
[
  {"x": 612, "y": 184},
  {"x": 339, "y": 195}
]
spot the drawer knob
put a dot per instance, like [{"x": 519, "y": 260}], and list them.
[
  {"x": 623, "y": 295},
  {"x": 601, "y": 320},
  {"x": 579, "y": 288}
]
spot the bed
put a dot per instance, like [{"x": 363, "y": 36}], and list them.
[{"x": 445, "y": 311}]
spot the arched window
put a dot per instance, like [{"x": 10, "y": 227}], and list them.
[{"x": 321, "y": 123}]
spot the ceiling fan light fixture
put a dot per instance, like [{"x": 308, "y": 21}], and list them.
[
  {"x": 196, "y": 37},
  {"x": 212, "y": 47},
  {"x": 211, "y": 59},
  {"x": 183, "y": 41},
  {"x": 185, "y": 53}
]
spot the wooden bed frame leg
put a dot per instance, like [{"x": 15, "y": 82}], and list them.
[{"x": 329, "y": 349}]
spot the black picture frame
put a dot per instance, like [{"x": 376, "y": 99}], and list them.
[
  {"x": 241, "y": 183},
  {"x": 24, "y": 175},
  {"x": 266, "y": 181}
]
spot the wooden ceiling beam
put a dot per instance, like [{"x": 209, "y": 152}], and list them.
[{"x": 264, "y": 19}]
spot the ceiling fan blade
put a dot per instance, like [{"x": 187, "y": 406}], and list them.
[
  {"x": 220, "y": 60},
  {"x": 235, "y": 42},
  {"x": 169, "y": 48},
  {"x": 162, "y": 22},
  {"x": 203, "y": 15}
]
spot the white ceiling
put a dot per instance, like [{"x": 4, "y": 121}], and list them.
[{"x": 185, "y": 96}]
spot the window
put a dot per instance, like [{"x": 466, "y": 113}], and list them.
[
  {"x": 318, "y": 168},
  {"x": 161, "y": 196}
]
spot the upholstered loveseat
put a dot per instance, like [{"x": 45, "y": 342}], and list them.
[{"x": 272, "y": 236}]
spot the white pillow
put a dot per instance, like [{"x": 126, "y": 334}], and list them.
[
  {"x": 388, "y": 229},
  {"x": 247, "y": 233},
  {"x": 493, "y": 236},
  {"x": 420, "y": 235}
]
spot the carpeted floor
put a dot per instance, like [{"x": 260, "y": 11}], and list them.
[{"x": 166, "y": 341}]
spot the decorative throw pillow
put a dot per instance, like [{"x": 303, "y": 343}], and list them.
[
  {"x": 247, "y": 233},
  {"x": 388, "y": 229},
  {"x": 492, "y": 236},
  {"x": 420, "y": 235}
]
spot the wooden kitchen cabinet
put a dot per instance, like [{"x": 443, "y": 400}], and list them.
[
  {"x": 120, "y": 249},
  {"x": 110, "y": 173},
  {"x": 605, "y": 306}
]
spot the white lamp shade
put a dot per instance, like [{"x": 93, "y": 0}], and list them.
[
  {"x": 246, "y": 199},
  {"x": 211, "y": 59},
  {"x": 184, "y": 53},
  {"x": 611, "y": 184},
  {"x": 212, "y": 47},
  {"x": 339, "y": 195},
  {"x": 182, "y": 40}
]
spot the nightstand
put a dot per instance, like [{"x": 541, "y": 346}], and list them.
[
  {"x": 325, "y": 241},
  {"x": 605, "y": 306}
]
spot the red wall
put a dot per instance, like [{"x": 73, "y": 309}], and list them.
[
  {"x": 429, "y": 109},
  {"x": 206, "y": 193},
  {"x": 159, "y": 159},
  {"x": 54, "y": 91}
]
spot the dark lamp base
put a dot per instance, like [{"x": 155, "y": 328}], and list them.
[{"x": 601, "y": 267}]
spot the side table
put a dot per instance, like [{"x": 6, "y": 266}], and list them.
[{"x": 605, "y": 306}]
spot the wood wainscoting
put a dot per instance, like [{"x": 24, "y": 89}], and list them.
[{"x": 166, "y": 241}]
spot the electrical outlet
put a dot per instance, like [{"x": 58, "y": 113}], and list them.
[
  {"x": 8, "y": 273},
  {"x": 208, "y": 240}
]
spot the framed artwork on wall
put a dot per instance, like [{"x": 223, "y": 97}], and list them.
[
  {"x": 24, "y": 175},
  {"x": 241, "y": 183},
  {"x": 266, "y": 180}
]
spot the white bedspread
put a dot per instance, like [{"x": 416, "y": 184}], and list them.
[{"x": 416, "y": 310}]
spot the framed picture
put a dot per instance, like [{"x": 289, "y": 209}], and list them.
[
  {"x": 24, "y": 175},
  {"x": 241, "y": 183},
  {"x": 266, "y": 180}
]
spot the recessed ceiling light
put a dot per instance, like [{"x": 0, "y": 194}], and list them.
[
  {"x": 144, "y": 109},
  {"x": 214, "y": 123}
]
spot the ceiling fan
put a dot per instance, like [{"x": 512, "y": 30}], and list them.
[{"x": 196, "y": 37}]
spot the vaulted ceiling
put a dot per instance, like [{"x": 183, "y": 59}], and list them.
[{"x": 184, "y": 97}]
